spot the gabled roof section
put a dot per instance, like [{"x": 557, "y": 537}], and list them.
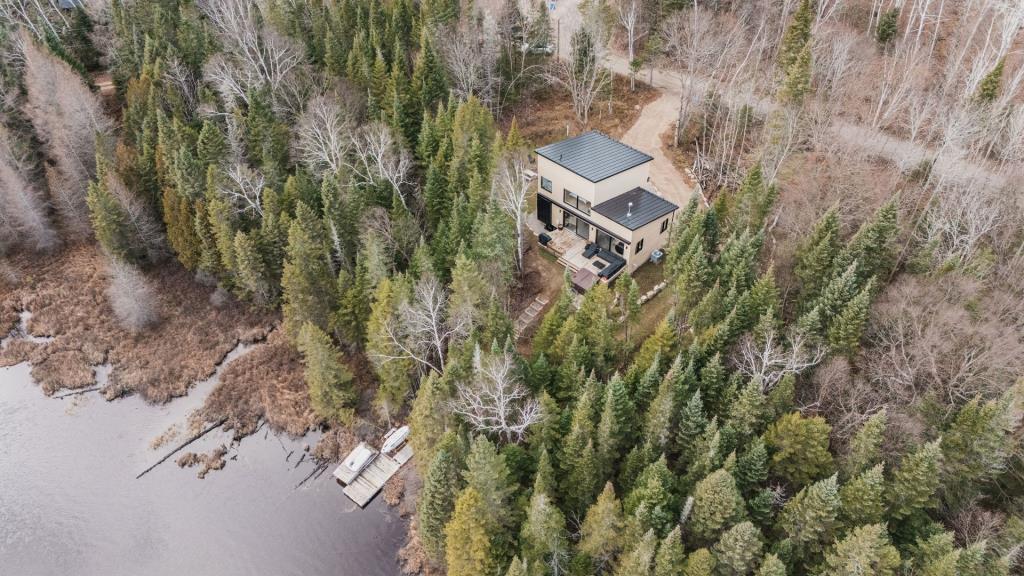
[
  {"x": 635, "y": 208},
  {"x": 593, "y": 155}
]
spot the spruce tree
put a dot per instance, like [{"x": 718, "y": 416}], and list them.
[
  {"x": 797, "y": 82},
  {"x": 797, "y": 36},
  {"x": 864, "y": 552},
  {"x": 614, "y": 430},
  {"x": 428, "y": 419},
  {"x": 862, "y": 499},
  {"x": 638, "y": 561},
  {"x": 652, "y": 501},
  {"x": 545, "y": 541},
  {"x": 872, "y": 247},
  {"x": 330, "y": 385},
  {"x": 771, "y": 566},
  {"x": 671, "y": 556},
  {"x": 738, "y": 550},
  {"x": 977, "y": 446},
  {"x": 717, "y": 503},
  {"x": 700, "y": 562},
  {"x": 914, "y": 483},
  {"x": 799, "y": 448},
  {"x": 865, "y": 448},
  {"x": 845, "y": 330},
  {"x": 487, "y": 473},
  {"x": 988, "y": 89},
  {"x": 752, "y": 467},
  {"x": 309, "y": 288},
  {"x": 659, "y": 418},
  {"x": 601, "y": 534},
  {"x": 544, "y": 480},
  {"x": 392, "y": 370},
  {"x": 809, "y": 519},
  {"x": 437, "y": 497},
  {"x": 815, "y": 257},
  {"x": 469, "y": 550}
]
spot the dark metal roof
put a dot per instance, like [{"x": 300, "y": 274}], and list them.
[
  {"x": 635, "y": 208},
  {"x": 593, "y": 155}
]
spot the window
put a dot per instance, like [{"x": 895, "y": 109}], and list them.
[
  {"x": 574, "y": 201},
  {"x": 664, "y": 226},
  {"x": 545, "y": 183},
  {"x": 578, "y": 225},
  {"x": 639, "y": 246}
]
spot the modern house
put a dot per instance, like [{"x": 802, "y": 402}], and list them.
[{"x": 593, "y": 201}]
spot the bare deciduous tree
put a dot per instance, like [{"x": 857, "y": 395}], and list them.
[
  {"x": 471, "y": 56},
  {"x": 631, "y": 18},
  {"x": 960, "y": 221},
  {"x": 583, "y": 73},
  {"x": 512, "y": 188},
  {"x": 23, "y": 219},
  {"x": 494, "y": 400},
  {"x": 244, "y": 189},
  {"x": 132, "y": 297},
  {"x": 323, "y": 138},
  {"x": 769, "y": 358},
  {"x": 377, "y": 157},
  {"x": 424, "y": 328},
  {"x": 67, "y": 117}
]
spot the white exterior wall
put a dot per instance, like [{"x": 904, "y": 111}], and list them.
[{"x": 562, "y": 178}]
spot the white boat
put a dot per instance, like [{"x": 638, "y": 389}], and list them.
[
  {"x": 394, "y": 438},
  {"x": 355, "y": 462}
]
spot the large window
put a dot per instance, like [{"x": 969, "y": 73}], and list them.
[
  {"x": 574, "y": 201},
  {"x": 545, "y": 183},
  {"x": 577, "y": 225}
]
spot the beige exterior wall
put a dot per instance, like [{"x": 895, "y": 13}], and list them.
[{"x": 562, "y": 179}]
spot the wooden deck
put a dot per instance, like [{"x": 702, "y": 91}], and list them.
[{"x": 372, "y": 479}]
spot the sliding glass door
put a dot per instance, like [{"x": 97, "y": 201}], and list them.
[{"x": 577, "y": 225}]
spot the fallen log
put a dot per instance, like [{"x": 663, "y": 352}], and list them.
[
  {"x": 77, "y": 392},
  {"x": 205, "y": 431}
]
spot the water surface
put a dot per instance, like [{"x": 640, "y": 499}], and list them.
[{"x": 70, "y": 503}]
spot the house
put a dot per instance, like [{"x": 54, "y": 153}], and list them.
[{"x": 592, "y": 197}]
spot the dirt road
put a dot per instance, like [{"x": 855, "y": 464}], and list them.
[{"x": 659, "y": 115}]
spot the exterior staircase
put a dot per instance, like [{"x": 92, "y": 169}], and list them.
[{"x": 529, "y": 315}]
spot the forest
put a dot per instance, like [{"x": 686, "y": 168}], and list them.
[{"x": 835, "y": 389}]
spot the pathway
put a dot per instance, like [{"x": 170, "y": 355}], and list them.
[
  {"x": 660, "y": 114},
  {"x": 529, "y": 315}
]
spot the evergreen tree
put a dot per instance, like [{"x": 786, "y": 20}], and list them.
[
  {"x": 716, "y": 505},
  {"x": 988, "y": 89},
  {"x": 652, "y": 501},
  {"x": 866, "y": 445},
  {"x": 809, "y": 519},
  {"x": 915, "y": 482},
  {"x": 752, "y": 467},
  {"x": 469, "y": 550},
  {"x": 601, "y": 534},
  {"x": 518, "y": 568},
  {"x": 863, "y": 498},
  {"x": 700, "y": 562},
  {"x": 798, "y": 35},
  {"x": 437, "y": 497},
  {"x": 692, "y": 424},
  {"x": 671, "y": 556},
  {"x": 816, "y": 255},
  {"x": 748, "y": 410},
  {"x": 845, "y": 330},
  {"x": 799, "y": 448},
  {"x": 888, "y": 26},
  {"x": 658, "y": 421},
  {"x": 212, "y": 147},
  {"x": 253, "y": 276},
  {"x": 864, "y": 552},
  {"x": 771, "y": 566},
  {"x": 309, "y": 289},
  {"x": 738, "y": 550},
  {"x": 628, "y": 293},
  {"x": 487, "y": 473},
  {"x": 544, "y": 479},
  {"x": 872, "y": 246},
  {"x": 392, "y": 370},
  {"x": 638, "y": 561},
  {"x": 428, "y": 419},
  {"x": 977, "y": 446},
  {"x": 330, "y": 383},
  {"x": 544, "y": 538},
  {"x": 797, "y": 82},
  {"x": 613, "y": 433},
  {"x": 429, "y": 78},
  {"x": 754, "y": 200}
]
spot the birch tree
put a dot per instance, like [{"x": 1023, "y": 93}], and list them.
[
  {"x": 583, "y": 73},
  {"x": 378, "y": 158},
  {"x": 423, "y": 328},
  {"x": 632, "y": 19},
  {"x": 512, "y": 188},
  {"x": 494, "y": 399},
  {"x": 323, "y": 135},
  {"x": 23, "y": 218}
]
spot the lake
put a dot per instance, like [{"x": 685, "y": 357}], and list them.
[{"x": 70, "y": 503}]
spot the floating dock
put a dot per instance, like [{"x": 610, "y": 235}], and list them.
[{"x": 365, "y": 471}]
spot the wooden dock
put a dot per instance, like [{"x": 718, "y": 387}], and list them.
[{"x": 370, "y": 481}]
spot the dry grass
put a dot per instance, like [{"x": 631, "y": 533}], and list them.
[
  {"x": 547, "y": 116},
  {"x": 66, "y": 295},
  {"x": 265, "y": 384}
]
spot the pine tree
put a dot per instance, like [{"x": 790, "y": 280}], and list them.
[
  {"x": 977, "y": 446},
  {"x": 652, "y": 501},
  {"x": 716, "y": 504},
  {"x": 330, "y": 383},
  {"x": 658, "y": 421},
  {"x": 809, "y": 519},
  {"x": 428, "y": 75},
  {"x": 752, "y": 467},
  {"x": 437, "y": 497},
  {"x": 988, "y": 89},
  {"x": 845, "y": 330},
  {"x": 738, "y": 550},
  {"x": 864, "y": 552},
  {"x": 253, "y": 276},
  {"x": 212, "y": 147},
  {"x": 797, "y": 82},
  {"x": 601, "y": 535},
  {"x": 637, "y": 562},
  {"x": 863, "y": 498},
  {"x": 915, "y": 482},
  {"x": 487, "y": 473},
  {"x": 815, "y": 257},
  {"x": 392, "y": 370},
  {"x": 692, "y": 424},
  {"x": 771, "y": 566},
  {"x": 469, "y": 550},
  {"x": 544, "y": 479},
  {"x": 309, "y": 288},
  {"x": 544, "y": 538},
  {"x": 671, "y": 556},
  {"x": 799, "y": 448},
  {"x": 613, "y": 433},
  {"x": 428, "y": 419},
  {"x": 754, "y": 200},
  {"x": 798, "y": 35},
  {"x": 866, "y": 445}
]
